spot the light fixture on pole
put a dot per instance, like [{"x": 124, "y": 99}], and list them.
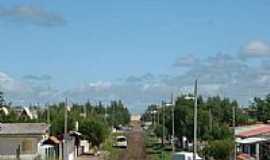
[{"x": 195, "y": 98}]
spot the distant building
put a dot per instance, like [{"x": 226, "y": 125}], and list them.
[
  {"x": 21, "y": 139},
  {"x": 135, "y": 117}
]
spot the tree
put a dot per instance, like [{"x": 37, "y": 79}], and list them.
[
  {"x": 2, "y": 100},
  {"x": 262, "y": 107},
  {"x": 94, "y": 131}
]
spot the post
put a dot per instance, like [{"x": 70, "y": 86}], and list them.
[
  {"x": 48, "y": 117},
  {"x": 85, "y": 111},
  {"x": 234, "y": 145},
  {"x": 257, "y": 151},
  {"x": 105, "y": 115},
  {"x": 153, "y": 112},
  {"x": 48, "y": 113},
  {"x": 173, "y": 134},
  {"x": 158, "y": 116},
  {"x": 163, "y": 123},
  {"x": 18, "y": 152},
  {"x": 195, "y": 120},
  {"x": 66, "y": 117}
]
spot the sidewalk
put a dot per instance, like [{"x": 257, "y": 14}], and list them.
[{"x": 87, "y": 157}]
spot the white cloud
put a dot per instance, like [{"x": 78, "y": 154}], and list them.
[
  {"x": 186, "y": 61},
  {"x": 256, "y": 49},
  {"x": 26, "y": 14},
  {"x": 220, "y": 74},
  {"x": 4, "y": 78},
  {"x": 100, "y": 85}
]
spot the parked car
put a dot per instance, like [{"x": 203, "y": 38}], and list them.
[
  {"x": 185, "y": 156},
  {"x": 121, "y": 142}
]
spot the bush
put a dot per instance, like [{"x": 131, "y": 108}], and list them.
[{"x": 219, "y": 149}]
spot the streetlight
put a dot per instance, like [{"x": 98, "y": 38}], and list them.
[
  {"x": 154, "y": 112},
  {"x": 234, "y": 149},
  {"x": 195, "y": 98},
  {"x": 163, "y": 122},
  {"x": 173, "y": 134}
]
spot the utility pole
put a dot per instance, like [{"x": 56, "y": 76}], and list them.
[
  {"x": 173, "y": 134},
  {"x": 158, "y": 115},
  {"x": 66, "y": 116},
  {"x": 48, "y": 116},
  {"x": 85, "y": 111},
  {"x": 234, "y": 145},
  {"x": 48, "y": 113},
  {"x": 163, "y": 123},
  {"x": 154, "y": 113},
  {"x": 195, "y": 119},
  {"x": 105, "y": 115}
]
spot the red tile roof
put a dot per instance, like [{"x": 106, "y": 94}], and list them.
[{"x": 261, "y": 129}]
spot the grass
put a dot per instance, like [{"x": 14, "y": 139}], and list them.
[
  {"x": 108, "y": 147},
  {"x": 154, "y": 149}
]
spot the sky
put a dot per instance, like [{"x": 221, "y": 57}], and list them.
[{"x": 138, "y": 51}]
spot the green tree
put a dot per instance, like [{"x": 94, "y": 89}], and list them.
[
  {"x": 262, "y": 107},
  {"x": 2, "y": 99},
  {"x": 94, "y": 131}
]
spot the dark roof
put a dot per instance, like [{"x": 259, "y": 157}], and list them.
[{"x": 23, "y": 128}]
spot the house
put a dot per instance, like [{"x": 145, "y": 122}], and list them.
[
  {"x": 252, "y": 141},
  {"x": 21, "y": 140}
]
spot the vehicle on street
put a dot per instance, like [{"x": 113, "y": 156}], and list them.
[
  {"x": 185, "y": 156},
  {"x": 121, "y": 142}
]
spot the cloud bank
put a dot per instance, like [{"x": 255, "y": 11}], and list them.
[
  {"x": 31, "y": 15},
  {"x": 220, "y": 74},
  {"x": 256, "y": 49}
]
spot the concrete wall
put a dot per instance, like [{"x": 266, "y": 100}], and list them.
[{"x": 28, "y": 144}]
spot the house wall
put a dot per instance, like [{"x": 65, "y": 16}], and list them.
[{"x": 28, "y": 144}]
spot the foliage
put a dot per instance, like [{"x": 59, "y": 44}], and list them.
[
  {"x": 220, "y": 149},
  {"x": 94, "y": 131},
  {"x": 262, "y": 107},
  {"x": 159, "y": 131},
  {"x": 2, "y": 100},
  {"x": 94, "y": 120}
]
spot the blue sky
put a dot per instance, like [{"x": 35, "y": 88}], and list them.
[{"x": 104, "y": 43}]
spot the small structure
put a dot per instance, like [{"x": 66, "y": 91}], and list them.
[
  {"x": 21, "y": 140},
  {"x": 251, "y": 140},
  {"x": 26, "y": 112},
  {"x": 51, "y": 148},
  {"x": 135, "y": 117},
  {"x": 4, "y": 110}
]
